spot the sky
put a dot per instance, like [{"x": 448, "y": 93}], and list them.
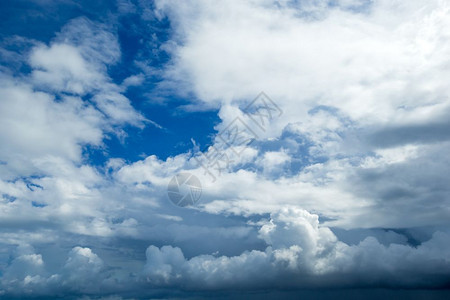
[{"x": 228, "y": 149}]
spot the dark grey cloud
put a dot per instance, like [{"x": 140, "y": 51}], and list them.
[{"x": 432, "y": 132}]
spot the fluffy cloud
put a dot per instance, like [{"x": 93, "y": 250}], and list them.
[
  {"x": 76, "y": 62},
  {"x": 27, "y": 274},
  {"x": 300, "y": 253},
  {"x": 32, "y": 122},
  {"x": 361, "y": 63},
  {"x": 36, "y": 123},
  {"x": 303, "y": 254},
  {"x": 357, "y": 82},
  {"x": 48, "y": 191},
  {"x": 361, "y": 145}
]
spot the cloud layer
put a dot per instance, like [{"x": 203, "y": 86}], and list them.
[{"x": 345, "y": 187}]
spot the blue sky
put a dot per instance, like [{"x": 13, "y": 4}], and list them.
[{"x": 336, "y": 186}]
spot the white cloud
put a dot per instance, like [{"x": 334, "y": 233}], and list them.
[
  {"x": 82, "y": 264},
  {"x": 62, "y": 67},
  {"x": 273, "y": 162},
  {"x": 133, "y": 80},
  {"x": 362, "y": 143},
  {"x": 355, "y": 81},
  {"x": 34, "y": 125},
  {"x": 40, "y": 120},
  {"x": 372, "y": 66},
  {"x": 302, "y": 254}
]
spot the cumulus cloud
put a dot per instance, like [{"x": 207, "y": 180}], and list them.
[
  {"x": 356, "y": 80},
  {"x": 361, "y": 144},
  {"x": 49, "y": 117},
  {"x": 27, "y": 274},
  {"x": 301, "y": 253}
]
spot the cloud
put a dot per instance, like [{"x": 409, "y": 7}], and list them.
[
  {"x": 49, "y": 113},
  {"x": 83, "y": 270},
  {"x": 303, "y": 254},
  {"x": 357, "y": 81},
  {"x": 27, "y": 274},
  {"x": 76, "y": 62},
  {"x": 346, "y": 188},
  {"x": 63, "y": 68},
  {"x": 378, "y": 67},
  {"x": 77, "y": 58},
  {"x": 33, "y": 121},
  {"x": 300, "y": 252}
]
